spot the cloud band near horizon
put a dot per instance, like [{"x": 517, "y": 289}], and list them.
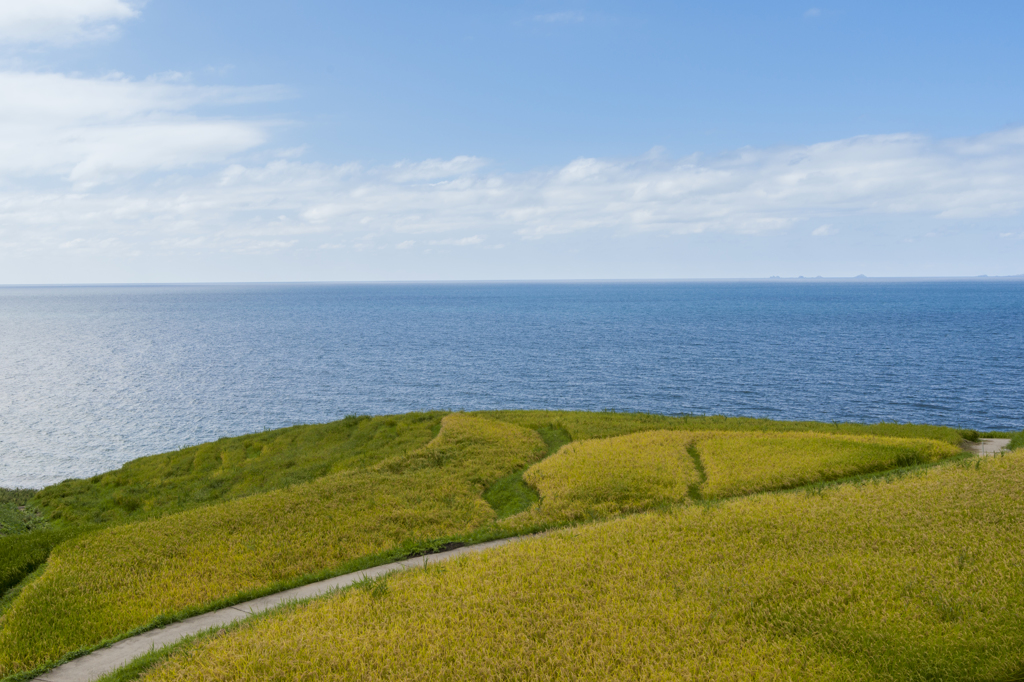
[{"x": 119, "y": 164}]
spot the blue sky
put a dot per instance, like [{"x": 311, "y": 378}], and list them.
[{"x": 259, "y": 141}]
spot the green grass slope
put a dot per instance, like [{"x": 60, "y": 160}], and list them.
[
  {"x": 919, "y": 578},
  {"x": 587, "y": 425},
  {"x": 26, "y": 538},
  {"x": 18, "y": 514},
  {"x": 231, "y": 468},
  {"x": 34, "y": 522},
  {"x": 115, "y": 579},
  {"x": 23, "y": 553},
  {"x": 177, "y": 533}
]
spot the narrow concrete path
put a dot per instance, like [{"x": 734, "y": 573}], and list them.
[
  {"x": 98, "y": 663},
  {"x": 988, "y": 446}
]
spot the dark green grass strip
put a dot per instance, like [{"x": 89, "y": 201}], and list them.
[
  {"x": 510, "y": 495},
  {"x": 585, "y": 425},
  {"x": 554, "y": 437},
  {"x": 698, "y": 463},
  {"x": 16, "y": 514},
  {"x": 10, "y": 595},
  {"x": 21, "y": 554}
]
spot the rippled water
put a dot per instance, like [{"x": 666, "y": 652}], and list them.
[{"x": 93, "y": 376}]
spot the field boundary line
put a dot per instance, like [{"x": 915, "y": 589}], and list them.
[{"x": 102, "y": 661}]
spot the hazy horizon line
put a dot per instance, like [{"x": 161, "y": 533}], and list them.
[{"x": 773, "y": 278}]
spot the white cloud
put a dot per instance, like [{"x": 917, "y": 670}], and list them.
[
  {"x": 240, "y": 207},
  {"x": 91, "y": 130},
  {"x": 270, "y": 245},
  {"x": 435, "y": 169},
  {"x": 465, "y": 241},
  {"x": 61, "y": 21},
  {"x": 813, "y": 12},
  {"x": 824, "y": 231}
]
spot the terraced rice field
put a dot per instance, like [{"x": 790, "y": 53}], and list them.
[
  {"x": 624, "y": 474},
  {"x": 180, "y": 533},
  {"x": 740, "y": 463},
  {"x": 918, "y": 578},
  {"x": 117, "y": 579},
  {"x": 598, "y": 477}
]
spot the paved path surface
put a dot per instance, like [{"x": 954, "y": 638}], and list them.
[
  {"x": 100, "y": 662},
  {"x": 988, "y": 446},
  {"x": 103, "y": 661}
]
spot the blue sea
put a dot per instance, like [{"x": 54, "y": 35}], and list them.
[{"x": 91, "y": 377}]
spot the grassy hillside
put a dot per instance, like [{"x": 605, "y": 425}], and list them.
[
  {"x": 586, "y": 425},
  {"x": 199, "y": 476},
  {"x": 17, "y": 513},
  {"x": 114, "y": 580},
  {"x": 235, "y": 467},
  {"x": 919, "y": 578},
  {"x": 178, "y": 533}
]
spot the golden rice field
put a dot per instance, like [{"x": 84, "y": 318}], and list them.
[
  {"x": 181, "y": 532},
  {"x": 916, "y": 578},
  {"x": 598, "y": 477},
  {"x": 740, "y": 463},
  {"x": 110, "y": 581}
]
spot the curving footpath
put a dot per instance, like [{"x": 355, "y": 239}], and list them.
[
  {"x": 988, "y": 446},
  {"x": 102, "y": 661}
]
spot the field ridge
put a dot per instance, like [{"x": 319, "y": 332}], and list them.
[{"x": 483, "y": 467}]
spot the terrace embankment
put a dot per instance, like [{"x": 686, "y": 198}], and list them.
[
  {"x": 913, "y": 578},
  {"x": 174, "y": 535}
]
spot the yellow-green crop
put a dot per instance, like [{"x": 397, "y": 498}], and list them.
[
  {"x": 631, "y": 473},
  {"x": 920, "y": 578},
  {"x": 594, "y": 478},
  {"x": 113, "y": 580},
  {"x": 249, "y": 518},
  {"x": 739, "y": 463}
]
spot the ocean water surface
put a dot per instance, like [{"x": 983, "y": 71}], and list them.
[{"x": 91, "y": 377}]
